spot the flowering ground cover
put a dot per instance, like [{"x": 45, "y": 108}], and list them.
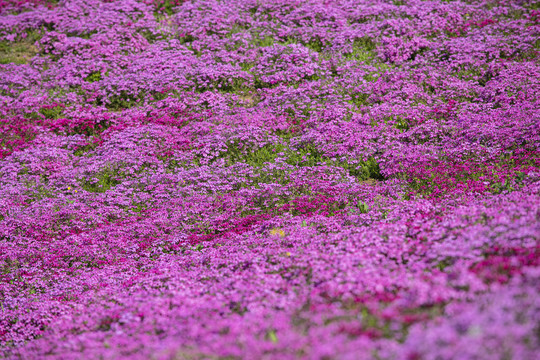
[{"x": 269, "y": 179}]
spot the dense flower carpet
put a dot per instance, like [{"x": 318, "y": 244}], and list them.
[{"x": 270, "y": 179}]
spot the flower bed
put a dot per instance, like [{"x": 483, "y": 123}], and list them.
[{"x": 269, "y": 179}]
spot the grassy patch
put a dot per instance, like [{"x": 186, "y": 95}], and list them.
[
  {"x": 102, "y": 181},
  {"x": 363, "y": 49},
  {"x": 307, "y": 155},
  {"x": 166, "y": 6},
  {"x": 93, "y": 77},
  {"x": 17, "y": 52}
]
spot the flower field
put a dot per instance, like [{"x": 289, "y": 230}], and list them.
[{"x": 270, "y": 179}]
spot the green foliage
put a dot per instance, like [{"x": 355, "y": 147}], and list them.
[
  {"x": 381, "y": 69},
  {"x": 254, "y": 157},
  {"x": 123, "y": 100},
  {"x": 508, "y": 185},
  {"x": 271, "y": 336},
  {"x": 363, "y": 49},
  {"x": 88, "y": 130},
  {"x": 139, "y": 207},
  {"x": 420, "y": 51},
  {"x": 34, "y": 115},
  {"x": 226, "y": 85},
  {"x": 485, "y": 78},
  {"x": 17, "y": 52},
  {"x": 93, "y": 77},
  {"x": 151, "y": 36},
  {"x": 469, "y": 73},
  {"x": 246, "y": 66},
  {"x": 359, "y": 99},
  {"x": 165, "y": 6},
  {"x": 126, "y": 100},
  {"x": 444, "y": 263},
  {"x": 82, "y": 34},
  {"x": 199, "y": 247},
  {"x": 186, "y": 40},
  {"x": 307, "y": 155},
  {"x": 106, "y": 179},
  {"x": 365, "y": 320},
  {"x": 259, "y": 84},
  {"x": 398, "y": 122},
  {"x": 8, "y": 266},
  {"x": 315, "y": 44},
  {"x": 531, "y": 4},
  {"x": 362, "y": 207},
  {"x": 263, "y": 42},
  {"x": 52, "y": 112},
  {"x": 236, "y": 29}
]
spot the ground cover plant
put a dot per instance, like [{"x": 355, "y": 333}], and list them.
[{"x": 269, "y": 179}]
